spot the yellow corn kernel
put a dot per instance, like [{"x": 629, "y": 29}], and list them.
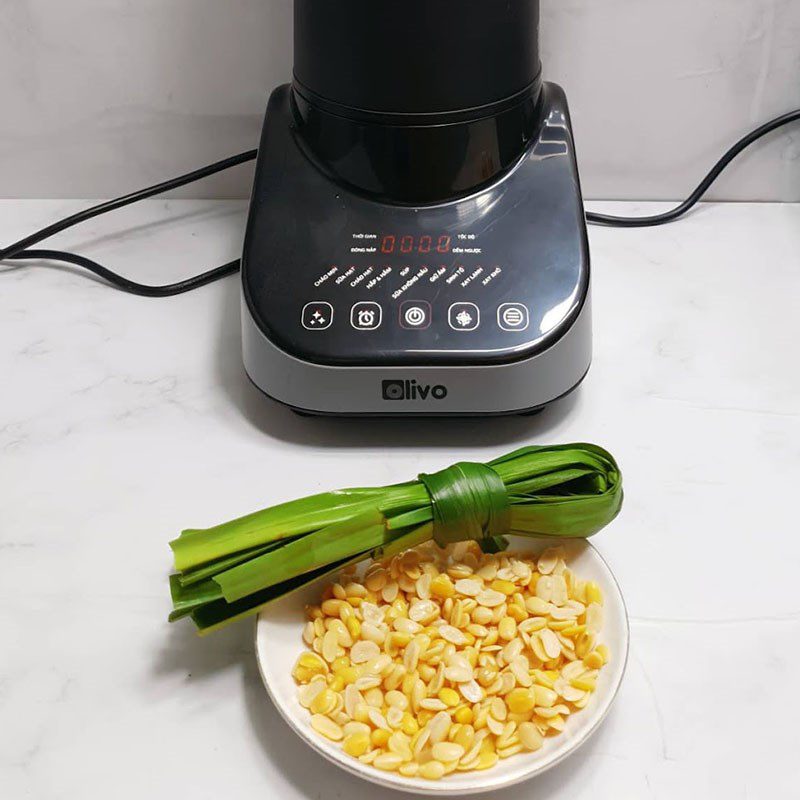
[
  {"x": 442, "y": 587},
  {"x": 574, "y": 630},
  {"x": 486, "y": 761},
  {"x": 517, "y": 612},
  {"x": 307, "y": 666},
  {"x": 400, "y": 608},
  {"x": 584, "y": 645},
  {"x": 313, "y": 612},
  {"x": 480, "y": 719},
  {"x": 530, "y": 736},
  {"x": 409, "y": 769},
  {"x": 330, "y": 608},
  {"x": 409, "y": 725},
  {"x": 431, "y": 770},
  {"x": 324, "y": 702},
  {"x": 361, "y": 713},
  {"x": 349, "y": 675},
  {"x": 533, "y": 581},
  {"x": 379, "y": 737},
  {"x": 584, "y": 684},
  {"x": 509, "y": 750},
  {"x": 313, "y": 662},
  {"x": 338, "y": 664},
  {"x": 504, "y": 587},
  {"x": 302, "y": 675},
  {"x": 464, "y": 715},
  {"x": 594, "y": 660},
  {"x": 557, "y": 723},
  {"x": 399, "y": 639},
  {"x": 604, "y": 652},
  {"x": 507, "y": 629},
  {"x": 449, "y": 697},
  {"x": 355, "y": 601},
  {"x": 337, "y": 683},
  {"x": 465, "y": 736},
  {"x": 356, "y": 745},
  {"x": 520, "y": 701},
  {"x": 424, "y": 717},
  {"x": 353, "y": 627},
  {"x": 593, "y": 593},
  {"x": 327, "y": 727},
  {"x": 543, "y": 678},
  {"x": 545, "y": 698}
]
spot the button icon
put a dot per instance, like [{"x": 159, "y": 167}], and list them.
[
  {"x": 317, "y": 316},
  {"x": 464, "y": 316},
  {"x": 366, "y": 316},
  {"x": 415, "y": 315},
  {"x": 513, "y": 317}
]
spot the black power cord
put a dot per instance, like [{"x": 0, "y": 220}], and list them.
[
  {"x": 20, "y": 250},
  {"x": 697, "y": 195}
]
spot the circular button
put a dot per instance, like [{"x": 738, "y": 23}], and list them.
[
  {"x": 366, "y": 316},
  {"x": 513, "y": 317},
  {"x": 415, "y": 315},
  {"x": 464, "y": 316}
]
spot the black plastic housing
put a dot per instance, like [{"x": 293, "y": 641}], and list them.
[
  {"x": 416, "y": 101},
  {"x": 521, "y": 240},
  {"x": 408, "y": 57}
]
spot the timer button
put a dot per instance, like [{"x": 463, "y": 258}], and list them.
[
  {"x": 366, "y": 316},
  {"x": 415, "y": 315},
  {"x": 317, "y": 316},
  {"x": 464, "y": 316}
]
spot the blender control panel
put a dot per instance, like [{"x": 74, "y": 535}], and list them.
[
  {"x": 336, "y": 277},
  {"x": 407, "y": 281}
]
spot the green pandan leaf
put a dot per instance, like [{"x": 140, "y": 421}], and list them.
[{"x": 230, "y": 571}]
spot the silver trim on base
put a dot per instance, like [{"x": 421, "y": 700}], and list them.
[{"x": 510, "y": 388}]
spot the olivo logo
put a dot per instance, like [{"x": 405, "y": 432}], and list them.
[{"x": 411, "y": 390}]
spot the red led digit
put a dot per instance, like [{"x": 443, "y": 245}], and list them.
[
  {"x": 425, "y": 244},
  {"x": 406, "y": 244},
  {"x": 387, "y": 246},
  {"x": 444, "y": 245}
]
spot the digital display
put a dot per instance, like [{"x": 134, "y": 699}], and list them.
[{"x": 406, "y": 244}]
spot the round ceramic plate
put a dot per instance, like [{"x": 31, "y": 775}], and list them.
[{"x": 279, "y": 643}]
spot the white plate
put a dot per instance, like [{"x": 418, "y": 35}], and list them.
[{"x": 278, "y": 644}]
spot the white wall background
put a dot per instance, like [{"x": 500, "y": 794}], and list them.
[{"x": 101, "y": 96}]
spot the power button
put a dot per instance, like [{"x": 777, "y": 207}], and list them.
[{"x": 415, "y": 315}]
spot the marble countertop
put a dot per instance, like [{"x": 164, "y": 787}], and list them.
[{"x": 123, "y": 420}]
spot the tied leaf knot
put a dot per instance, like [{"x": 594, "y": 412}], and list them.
[{"x": 469, "y": 501}]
